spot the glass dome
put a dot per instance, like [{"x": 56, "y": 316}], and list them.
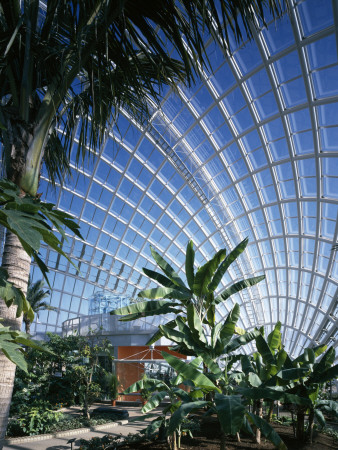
[{"x": 251, "y": 150}]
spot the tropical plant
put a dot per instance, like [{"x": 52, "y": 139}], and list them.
[
  {"x": 11, "y": 342},
  {"x": 259, "y": 372},
  {"x": 71, "y": 65},
  {"x": 297, "y": 382},
  {"x": 35, "y": 295},
  {"x": 157, "y": 390},
  {"x": 36, "y": 419},
  {"x": 230, "y": 409},
  {"x": 193, "y": 302}
]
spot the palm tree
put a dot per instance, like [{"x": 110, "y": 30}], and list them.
[
  {"x": 71, "y": 65},
  {"x": 35, "y": 295}
]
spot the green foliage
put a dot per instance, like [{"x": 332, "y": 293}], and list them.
[
  {"x": 69, "y": 374},
  {"x": 230, "y": 412},
  {"x": 50, "y": 421},
  {"x": 35, "y": 295},
  {"x": 11, "y": 342},
  {"x": 194, "y": 303},
  {"x": 115, "y": 68},
  {"x": 109, "y": 384},
  {"x": 267, "y": 430},
  {"x": 35, "y": 419},
  {"x": 30, "y": 220},
  {"x": 14, "y": 296}
]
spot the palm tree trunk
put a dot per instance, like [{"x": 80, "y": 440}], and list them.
[
  {"x": 27, "y": 323},
  {"x": 17, "y": 263}
]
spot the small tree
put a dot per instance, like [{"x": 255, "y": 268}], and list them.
[{"x": 35, "y": 296}]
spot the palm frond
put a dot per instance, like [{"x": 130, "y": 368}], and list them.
[{"x": 88, "y": 59}]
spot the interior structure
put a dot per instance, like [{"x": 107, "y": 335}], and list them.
[{"x": 249, "y": 151}]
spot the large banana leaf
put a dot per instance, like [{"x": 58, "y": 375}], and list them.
[
  {"x": 264, "y": 350},
  {"x": 145, "y": 309},
  {"x": 230, "y": 412},
  {"x": 195, "y": 324},
  {"x": 167, "y": 269},
  {"x": 275, "y": 337},
  {"x": 267, "y": 430},
  {"x": 307, "y": 357},
  {"x": 189, "y": 372},
  {"x": 325, "y": 363},
  {"x": 212, "y": 365},
  {"x": 281, "y": 359},
  {"x": 237, "y": 287},
  {"x": 254, "y": 380},
  {"x": 186, "y": 339},
  {"x": 215, "y": 334},
  {"x": 154, "y": 401},
  {"x": 320, "y": 417},
  {"x": 205, "y": 273},
  {"x": 329, "y": 406},
  {"x": 273, "y": 394},
  {"x": 196, "y": 362},
  {"x": 159, "y": 334},
  {"x": 304, "y": 357},
  {"x": 247, "y": 367},
  {"x": 328, "y": 375},
  {"x": 181, "y": 413},
  {"x": 293, "y": 374},
  {"x": 228, "y": 327},
  {"x": 163, "y": 292},
  {"x": 166, "y": 282},
  {"x": 241, "y": 340},
  {"x": 226, "y": 264},
  {"x": 189, "y": 264},
  {"x": 145, "y": 383}
]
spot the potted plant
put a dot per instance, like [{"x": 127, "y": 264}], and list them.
[
  {"x": 144, "y": 391},
  {"x": 114, "y": 384},
  {"x": 145, "y": 396}
]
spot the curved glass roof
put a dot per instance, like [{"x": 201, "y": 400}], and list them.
[{"x": 249, "y": 151}]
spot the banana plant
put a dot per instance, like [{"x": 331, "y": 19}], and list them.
[
  {"x": 194, "y": 338},
  {"x": 274, "y": 375},
  {"x": 230, "y": 409},
  {"x": 174, "y": 296},
  {"x": 158, "y": 390},
  {"x": 259, "y": 369}
]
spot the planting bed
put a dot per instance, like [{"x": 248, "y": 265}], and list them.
[
  {"x": 209, "y": 439},
  {"x": 322, "y": 442}
]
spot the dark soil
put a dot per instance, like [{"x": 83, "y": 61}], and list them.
[{"x": 209, "y": 439}]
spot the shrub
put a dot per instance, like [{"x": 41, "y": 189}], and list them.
[{"x": 34, "y": 419}]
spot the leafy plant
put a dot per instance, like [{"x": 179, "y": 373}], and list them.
[
  {"x": 193, "y": 302},
  {"x": 230, "y": 409},
  {"x": 32, "y": 220},
  {"x": 35, "y": 295},
  {"x": 11, "y": 342},
  {"x": 36, "y": 419}
]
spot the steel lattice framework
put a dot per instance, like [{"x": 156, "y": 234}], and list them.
[{"x": 249, "y": 151}]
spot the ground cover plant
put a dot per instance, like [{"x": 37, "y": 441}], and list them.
[{"x": 47, "y": 419}]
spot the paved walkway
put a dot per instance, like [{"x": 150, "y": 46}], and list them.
[{"x": 136, "y": 422}]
